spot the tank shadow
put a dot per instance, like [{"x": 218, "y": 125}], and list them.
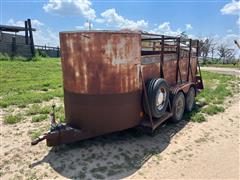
[{"x": 111, "y": 156}]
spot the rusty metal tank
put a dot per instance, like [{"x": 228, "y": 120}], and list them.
[{"x": 102, "y": 89}]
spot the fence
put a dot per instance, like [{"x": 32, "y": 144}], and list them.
[
  {"x": 48, "y": 51},
  {"x": 13, "y": 49},
  {"x": 18, "y": 49}
]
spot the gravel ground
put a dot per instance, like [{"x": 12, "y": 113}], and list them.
[{"x": 228, "y": 71}]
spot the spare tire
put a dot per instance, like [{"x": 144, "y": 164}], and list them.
[{"x": 158, "y": 97}]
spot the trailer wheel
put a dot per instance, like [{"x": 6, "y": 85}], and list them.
[
  {"x": 158, "y": 97},
  {"x": 190, "y": 99},
  {"x": 178, "y": 107}
]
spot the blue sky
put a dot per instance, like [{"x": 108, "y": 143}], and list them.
[{"x": 219, "y": 19}]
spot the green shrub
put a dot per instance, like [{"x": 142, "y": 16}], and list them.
[
  {"x": 45, "y": 110},
  {"x": 4, "y": 56},
  {"x": 61, "y": 118},
  {"x": 12, "y": 119},
  {"x": 19, "y": 58},
  {"x": 37, "y": 57},
  {"x": 39, "y": 118},
  {"x": 198, "y": 117},
  {"x": 213, "y": 109},
  {"x": 35, "y": 134},
  {"x": 37, "y": 109},
  {"x": 42, "y": 53}
]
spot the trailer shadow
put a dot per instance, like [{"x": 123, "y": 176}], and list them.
[{"x": 111, "y": 156}]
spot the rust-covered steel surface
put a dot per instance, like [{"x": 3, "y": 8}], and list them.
[
  {"x": 101, "y": 62},
  {"x": 101, "y": 79},
  {"x": 169, "y": 70}
]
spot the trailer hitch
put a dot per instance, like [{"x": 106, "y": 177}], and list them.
[
  {"x": 62, "y": 133},
  {"x": 38, "y": 139},
  {"x": 54, "y": 126}
]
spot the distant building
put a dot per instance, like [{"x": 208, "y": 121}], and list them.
[{"x": 17, "y": 45}]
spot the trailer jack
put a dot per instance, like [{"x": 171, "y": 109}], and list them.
[{"x": 62, "y": 133}]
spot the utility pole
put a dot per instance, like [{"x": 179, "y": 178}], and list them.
[{"x": 89, "y": 24}]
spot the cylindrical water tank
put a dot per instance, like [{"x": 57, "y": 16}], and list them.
[{"x": 102, "y": 86}]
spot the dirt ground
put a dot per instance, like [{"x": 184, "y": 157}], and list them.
[
  {"x": 187, "y": 150},
  {"x": 223, "y": 70},
  {"x": 208, "y": 150}
]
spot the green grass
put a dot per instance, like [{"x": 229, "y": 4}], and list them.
[
  {"x": 12, "y": 119},
  {"x": 39, "y": 118},
  {"x": 223, "y": 65},
  {"x": 195, "y": 115},
  {"x": 35, "y": 134},
  {"x": 40, "y": 130},
  {"x": 212, "y": 109},
  {"x": 198, "y": 117},
  {"x": 60, "y": 115},
  {"x": 217, "y": 88},
  {"x": 37, "y": 109},
  {"x": 4, "y": 57},
  {"x": 26, "y": 82},
  {"x": 32, "y": 82}
]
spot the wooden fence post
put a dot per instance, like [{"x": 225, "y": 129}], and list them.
[
  {"x": 31, "y": 37},
  {"x": 26, "y": 32},
  {"x": 58, "y": 52},
  {"x": 13, "y": 46}
]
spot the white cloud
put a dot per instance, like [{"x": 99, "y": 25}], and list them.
[
  {"x": 111, "y": 17},
  {"x": 166, "y": 29},
  {"x": 34, "y": 22},
  {"x": 228, "y": 41},
  {"x": 188, "y": 27},
  {"x": 85, "y": 26},
  {"x": 43, "y": 35},
  {"x": 80, "y": 27},
  {"x": 232, "y": 8},
  {"x": 238, "y": 22},
  {"x": 70, "y": 7},
  {"x": 46, "y": 37}
]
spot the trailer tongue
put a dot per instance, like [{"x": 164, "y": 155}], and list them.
[
  {"x": 115, "y": 80},
  {"x": 61, "y": 133}
]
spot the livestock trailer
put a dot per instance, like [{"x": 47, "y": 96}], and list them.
[{"x": 116, "y": 80}]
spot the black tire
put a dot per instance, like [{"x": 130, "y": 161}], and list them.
[
  {"x": 158, "y": 97},
  {"x": 190, "y": 99},
  {"x": 178, "y": 107}
]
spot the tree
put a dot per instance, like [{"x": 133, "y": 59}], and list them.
[
  {"x": 212, "y": 50},
  {"x": 225, "y": 54},
  {"x": 205, "y": 47}
]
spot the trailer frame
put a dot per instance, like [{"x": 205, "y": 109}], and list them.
[{"x": 64, "y": 133}]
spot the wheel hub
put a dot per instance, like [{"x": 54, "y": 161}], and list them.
[{"x": 161, "y": 98}]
